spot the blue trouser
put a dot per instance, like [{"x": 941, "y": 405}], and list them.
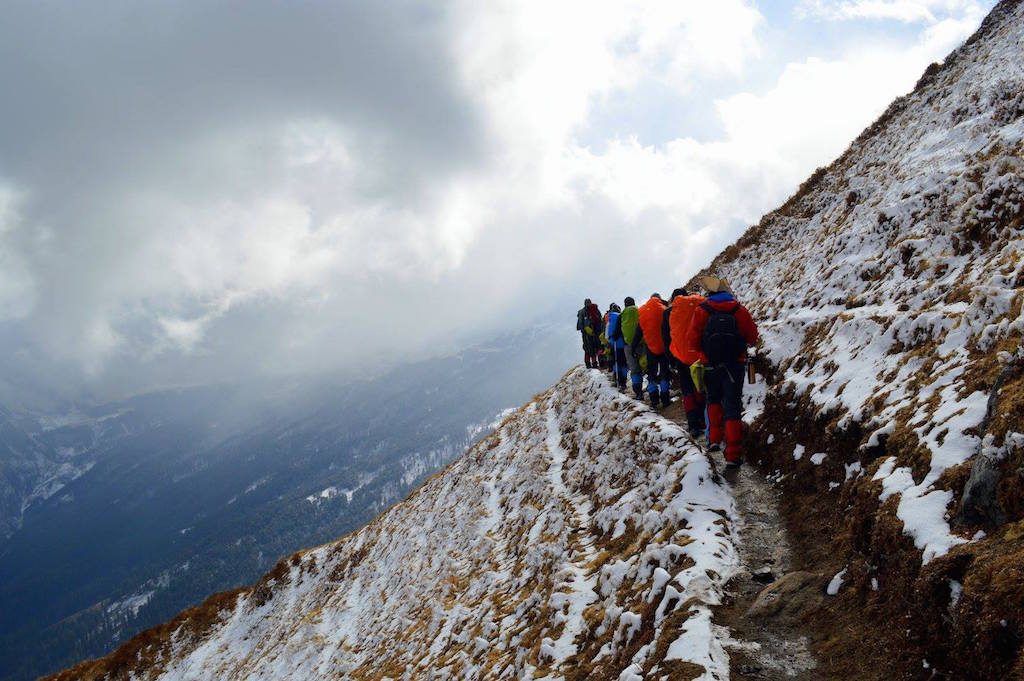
[
  {"x": 620, "y": 366},
  {"x": 658, "y": 376},
  {"x": 636, "y": 376}
]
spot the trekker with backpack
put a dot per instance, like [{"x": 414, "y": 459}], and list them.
[
  {"x": 618, "y": 345},
  {"x": 609, "y": 349},
  {"x": 680, "y": 315},
  {"x": 588, "y": 323},
  {"x": 658, "y": 382},
  {"x": 629, "y": 322},
  {"x": 719, "y": 333},
  {"x": 666, "y": 335}
]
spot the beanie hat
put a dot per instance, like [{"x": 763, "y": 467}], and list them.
[
  {"x": 678, "y": 292},
  {"x": 629, "y": 301}
]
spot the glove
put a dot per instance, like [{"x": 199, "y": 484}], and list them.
[{"x": 697, "y": 374}]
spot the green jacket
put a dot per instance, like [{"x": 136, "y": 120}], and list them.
[{"x": 629, "y": 321}]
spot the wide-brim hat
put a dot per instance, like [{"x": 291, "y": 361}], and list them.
[{"x": 715, "y": 284}]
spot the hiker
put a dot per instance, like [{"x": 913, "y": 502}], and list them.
[
  {"x": 618, "y": 345},
  {"x": 629, "y": 322},
  {"x": 720, "y": 332},
  {"x": 588, "y": 323},
  {"x": 666, "y": 336},
  {"x": 680, "y": 314},
  {"x": 658, "y": 383},
  {"x": 609, "y": 350},
  {"x": 604, "y": 350}
]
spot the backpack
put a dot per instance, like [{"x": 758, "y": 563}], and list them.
[
  {"x": 666, "y": 330},
  {"x": 595, "y": 319},
  {"x": 721, "y": 340}
]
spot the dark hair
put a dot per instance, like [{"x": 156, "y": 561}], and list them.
[
  {"x": 679, "y": 292},
  {"x": 656, "y": 295},
  {"x": 629, "y": 301}
]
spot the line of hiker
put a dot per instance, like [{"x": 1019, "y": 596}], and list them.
[{"x": 697, "y": 344}]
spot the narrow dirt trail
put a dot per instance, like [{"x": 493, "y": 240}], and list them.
[
  {"x": 767, "y": 641},
  {"x": 576, "y": 582}
]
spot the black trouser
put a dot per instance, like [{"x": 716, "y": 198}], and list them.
[
  {"x": 725, "y": 387},
  {"x": 675, "y": 371},
  {"x": 590, "y": 348},
  {"x": 693, "y": 401},
  {"x": 725, "y": 407}
]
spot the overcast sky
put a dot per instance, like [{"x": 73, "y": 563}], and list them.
[{"x": 195, "y": 191}]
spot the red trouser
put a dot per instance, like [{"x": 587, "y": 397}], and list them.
[{"x": 725, "y": 404}]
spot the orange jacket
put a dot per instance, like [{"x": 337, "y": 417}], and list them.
[
  {"x": 679, "y": 322},
  {"x": 650, "y": 323}
]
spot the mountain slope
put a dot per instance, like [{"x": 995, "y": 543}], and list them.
[
  {"x": 586, "y": 536},
  {"x": 890, "y": 291},
  {"x": 199, "y": 490}
]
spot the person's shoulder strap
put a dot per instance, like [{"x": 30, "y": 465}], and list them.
[{"x": 707, "y": 307}]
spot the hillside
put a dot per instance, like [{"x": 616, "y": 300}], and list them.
[
  {"x": 590, "y": 538},
  {"x": 184, "y": 493},
  {"x": 584, "y": 515},
  {"x": 890, "y": 293}
]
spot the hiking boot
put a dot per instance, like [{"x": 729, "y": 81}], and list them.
[
  {"x": 666, "y": 399},
  {"x": 715, "y": 447},
  {"x": 734, "y": 464}
]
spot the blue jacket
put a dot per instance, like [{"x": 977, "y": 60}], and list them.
[{"x": 613, "y": 330}]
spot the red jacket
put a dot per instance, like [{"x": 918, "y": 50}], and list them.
[
  {"x": 650, "y": 322},
  {"x": 744, "y": 321}
]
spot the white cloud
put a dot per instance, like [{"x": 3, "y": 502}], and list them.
[
  {"x": 16, "y": 282},
  {"x": 908, "y": 11},
  {"x": 300, "y": 238}
]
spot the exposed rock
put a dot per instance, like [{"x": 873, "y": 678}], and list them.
[
  {"x": 790, "y": 598},
  {"x": 980, "y": 505}
]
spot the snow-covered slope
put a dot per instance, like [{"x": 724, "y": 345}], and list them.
[
  {"x": 587, "y": 535},
  {"x": 889, "y": 287},
  {"x": 889, "y": 290}
]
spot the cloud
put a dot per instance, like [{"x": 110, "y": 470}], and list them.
[
  {"x": 199, "y": 193},
  {"x": 907, "y": 11}
]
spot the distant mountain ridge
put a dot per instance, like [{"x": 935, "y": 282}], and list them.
[{"x": 190, "y": 491}]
